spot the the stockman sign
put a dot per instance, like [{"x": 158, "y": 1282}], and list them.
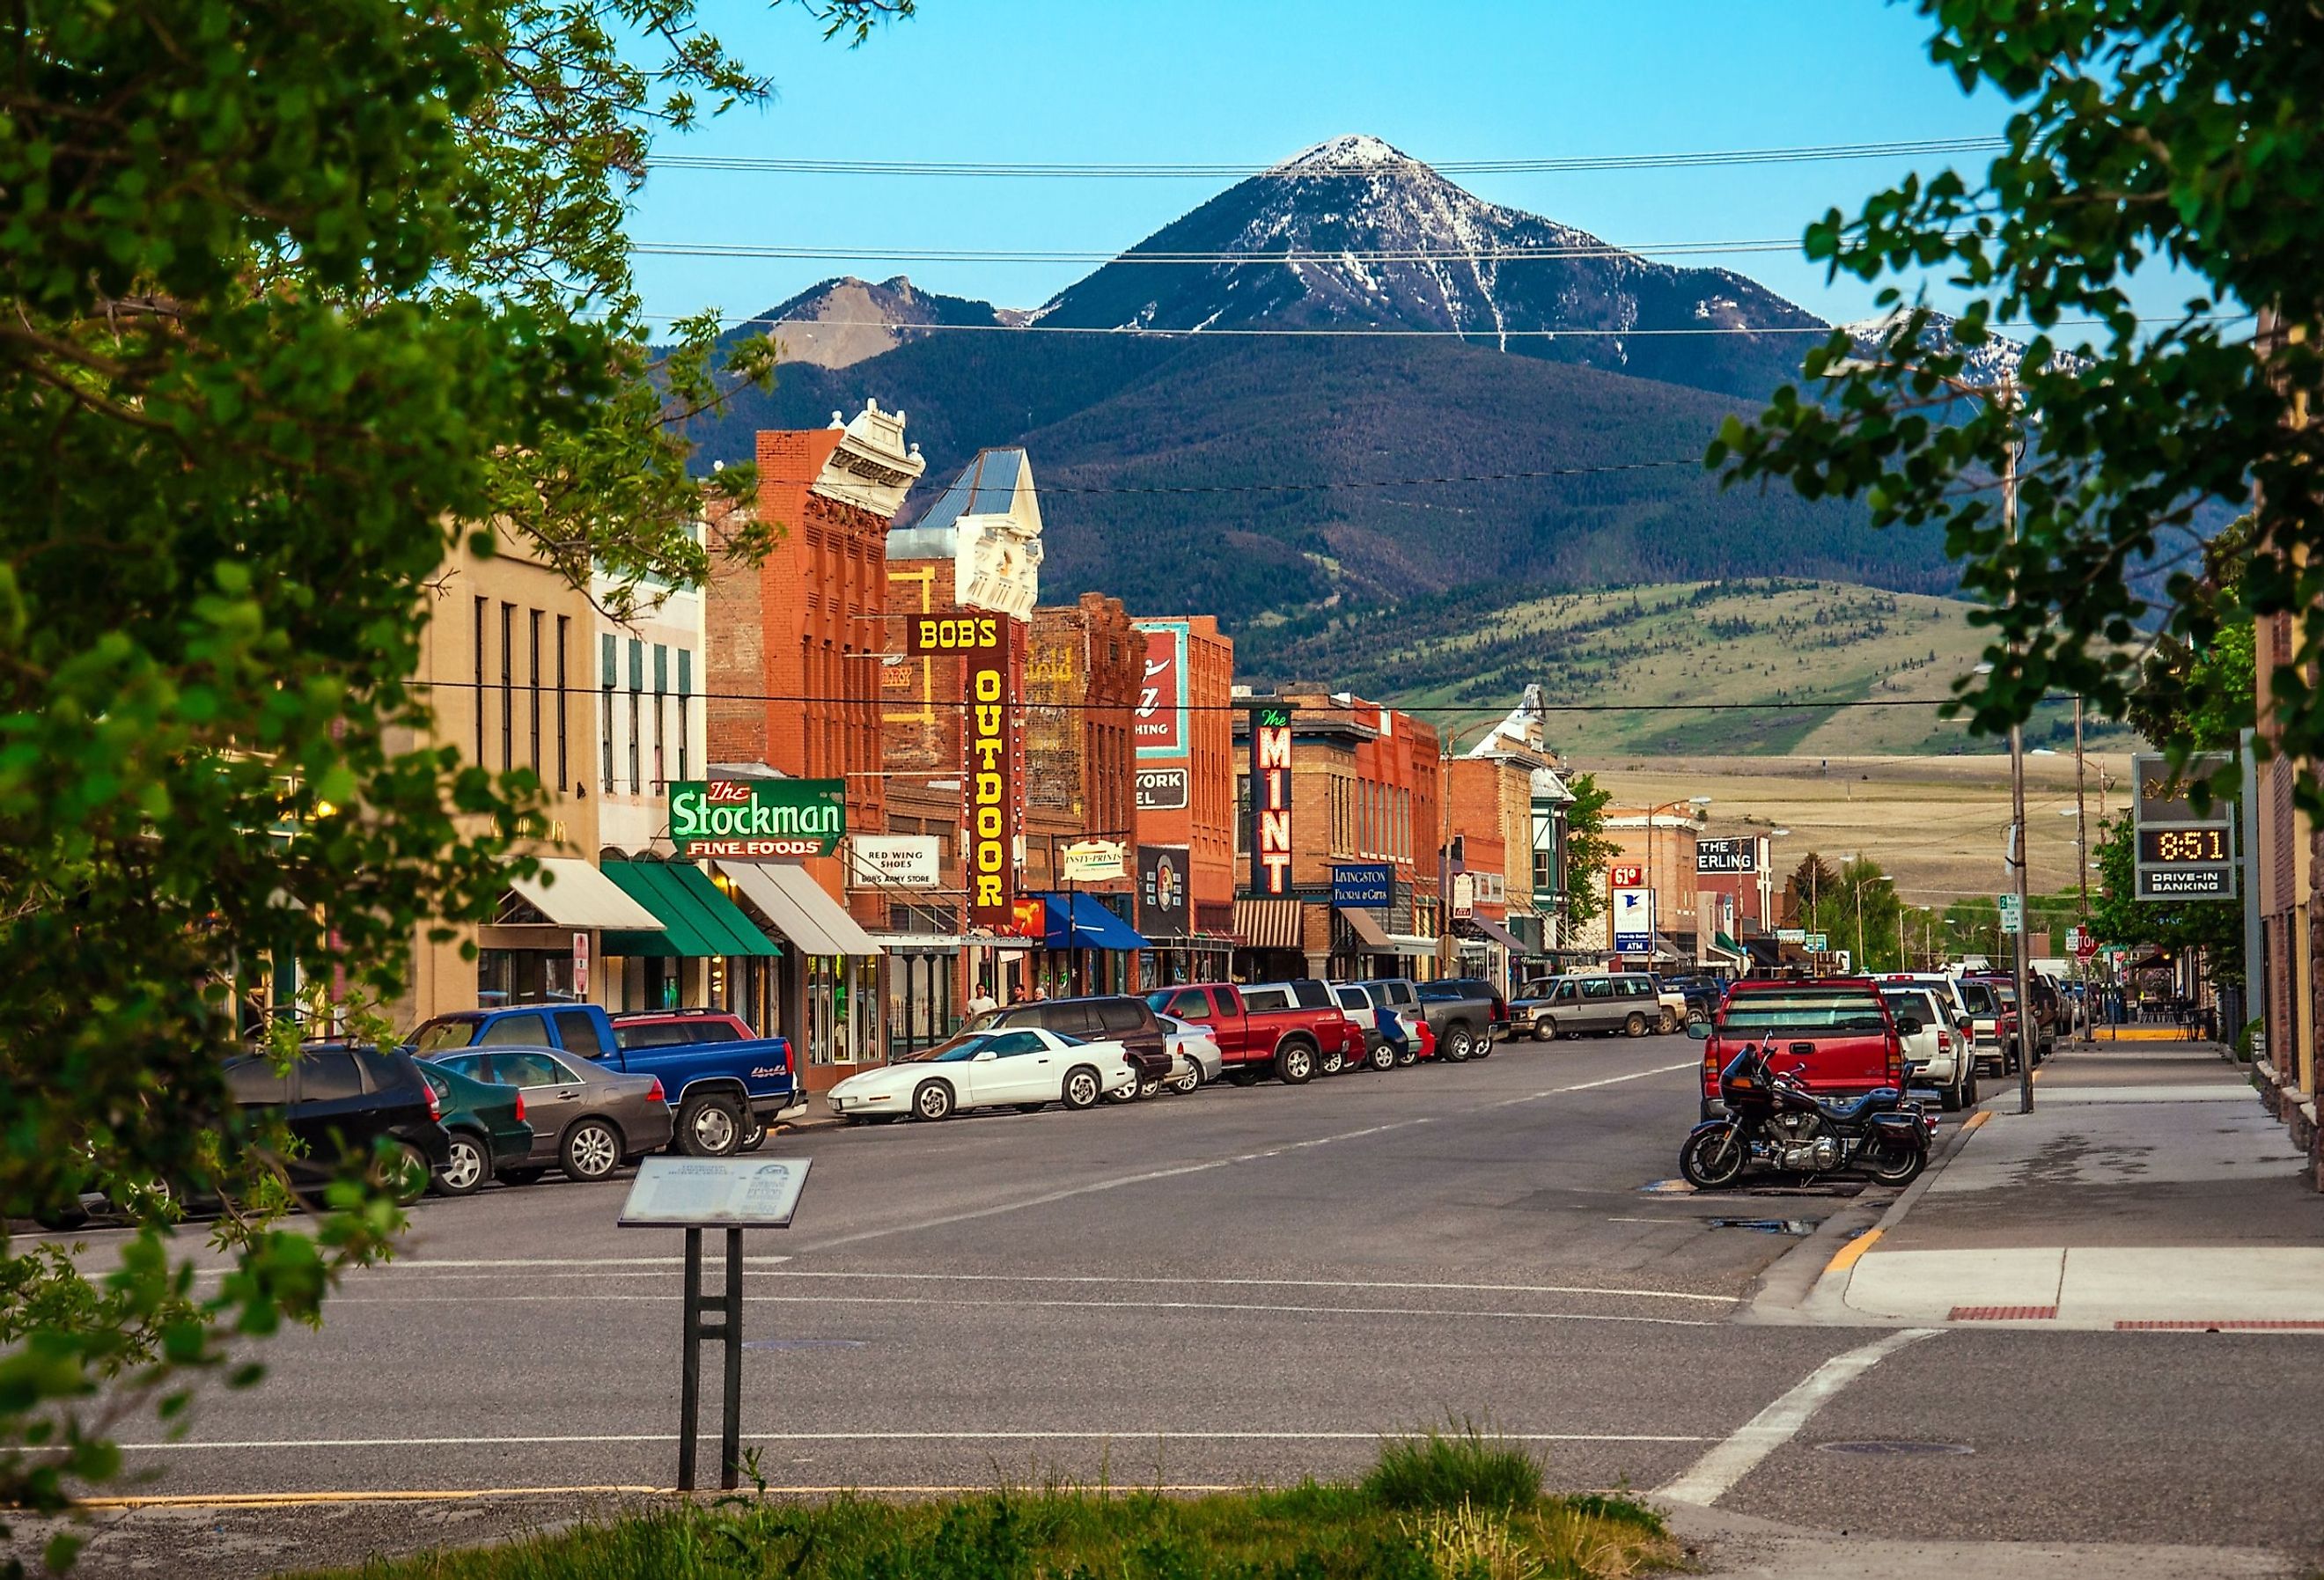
[{"x": 757, "y": 819}]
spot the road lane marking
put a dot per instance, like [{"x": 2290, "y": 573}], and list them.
[
  {"x": 1147, "y": 1178},
  {"x": 1849, "y": 1254},
  {"x": 1712, "y": 1477},
  {"x": 528, "y": 1264},
  {"x": 1129, "y": 1435},
  {"x": 1439, "y": 1312},
  {"x": 1593, "y": 1085}
]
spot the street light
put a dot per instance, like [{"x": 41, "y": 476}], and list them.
[{"x": 1698, "y": 803}]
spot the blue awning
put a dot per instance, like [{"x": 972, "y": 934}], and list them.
[{"x": 1092, "y": 927}]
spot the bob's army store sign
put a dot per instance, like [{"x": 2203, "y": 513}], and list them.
[
  {"x": 2181, "y": 854},
  {"x": 757, "y": 819}
]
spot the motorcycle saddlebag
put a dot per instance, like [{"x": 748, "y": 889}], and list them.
[{"x": 1900, "y": 1127}]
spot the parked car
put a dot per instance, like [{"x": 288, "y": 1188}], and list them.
[
  {"x": 588, "y": 1118},
  {"x": 1992, "y": 1023},
  {"x": 485, "y": 1125},
  {"x": 723, "y": 1083},
  {"x": 1195, "y": 1056},
  {"x": 1402, "y": 995},
  {"x": 1700, "y": 994},
  {"x": 1592, "y": 1003},
  {"x": 1465, "y": 1011},
  {"x": 1834, "y": 1034},
  {"x": 340, "y": 1099},
  {"x": 1282, "y": 1028},
  {"x": 1938, "y": 1054},
  {"x": 1024, "y": 1067},
  {"x": 1108, "y": 1017},
  {"x": 1383, "y": 1033}
]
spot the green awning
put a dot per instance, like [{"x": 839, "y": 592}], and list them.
[
  {"x": 696, "y": 918},
  {"x": 1726, "y": 943}
]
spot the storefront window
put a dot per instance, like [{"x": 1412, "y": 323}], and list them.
[
  {"x": 843, "y": 1009},
  {"x": 523, "y": 976}
]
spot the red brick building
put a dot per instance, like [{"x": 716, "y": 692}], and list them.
[
  {"x": 1185, "y": 792},
  {"x": 1082, "y": 667},
  {"x": 793, "y": 647}
]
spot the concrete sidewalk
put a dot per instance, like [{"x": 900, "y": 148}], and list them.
[{"x": 2148, "y": 1189}]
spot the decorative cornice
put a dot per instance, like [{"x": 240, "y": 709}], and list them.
[{"x": 870, "y": 469}]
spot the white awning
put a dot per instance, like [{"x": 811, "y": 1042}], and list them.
[
  {"x": 574, "y": 893},
  {"x": 800, "y": 909},
  {"x": 1412, "y": 946},
  {"x": 946, "y": 943}
]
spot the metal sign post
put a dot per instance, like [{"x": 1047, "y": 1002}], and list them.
[{"x": 733, "y": 1194}]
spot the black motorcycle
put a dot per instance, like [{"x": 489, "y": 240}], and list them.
[{"x": 1775, "y": 1122}]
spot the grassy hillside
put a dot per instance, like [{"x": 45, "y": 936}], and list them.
[{"x": 1797, "y": 644}]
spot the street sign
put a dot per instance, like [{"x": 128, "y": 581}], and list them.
[
  {"x": 1818, "y": 943},
  {"x": 1634, "y": 921},
  {"x": 1791, "y": 934},
  {"x": 745, "y": 1192},
  {"x": 2012, "y": 920},
  {"x": 1842, "y": 963},
  {"x": 2086, "y": 947}
]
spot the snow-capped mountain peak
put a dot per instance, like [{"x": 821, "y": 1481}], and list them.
[
  {"x": 1344, "y": 156},
  {"x": 1991, "y": 362}
]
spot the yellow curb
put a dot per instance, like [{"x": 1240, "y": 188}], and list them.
[
  {"x": 2141, "y": 1034},
  {"x": 1980, "y": 1117},
  {"x": 1847, "y": 1255}
]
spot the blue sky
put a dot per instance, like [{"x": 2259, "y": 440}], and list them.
[{"x": 1142, "y": 81}]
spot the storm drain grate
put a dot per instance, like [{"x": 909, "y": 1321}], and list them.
[
  {"x": 2225, "y": 1324},
  {"x": 803, "y": 1343},
  {"x": 2000, "y": 1313},
  {"x": 1895, "y": 1445}
]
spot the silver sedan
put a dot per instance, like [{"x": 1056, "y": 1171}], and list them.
[
  {"x": 1195, "y": 1054},
  {"x": 585, "y": 1119}
]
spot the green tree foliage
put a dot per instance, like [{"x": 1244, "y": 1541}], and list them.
[
  {"x": 1804, "y": 890},
  {"x": 1588, "y": 850},
  {"x": 2189, "y": 135},
  {"x": 2117, "y": 916},
  {"x": 291, "y": 290},
  {"x": 1856, "y": 909}
]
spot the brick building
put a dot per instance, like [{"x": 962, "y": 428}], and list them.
[
  {"x": 793, "y": 647},
  {"x": 1489, "y": 800},
  {"x": 1660, "y": 844},
  {"x": 1084, "y": 664},
  {"x": 2285, "y": 875},
  {"x": 1185, "y": 796},
  {"x": 1364, "y": 792}
]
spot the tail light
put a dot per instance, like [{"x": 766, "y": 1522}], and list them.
[
  {"x": 1944, "y": 1042},
  {"x": 435, "y": 1109},
  {"x": 654, "y": 1092},
  {"x": 1710, "y": 1068},
  {"x": 520, "y": 1107}
]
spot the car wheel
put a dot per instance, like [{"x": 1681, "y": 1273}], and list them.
[
  {"x": 1968, "y": 1089},
  {"x": 710, "y": 1125},
  {"x": 1455, "y": 1043},
  {"x": 1295, "y": 1063},
  {"x": 593, "y": 1151},
  {"x": 520, "y": 1176},
  {"x": 406, "y": 1173},
  {"x": 1030, "y": 1107},
  {"x": 1246, "y": 1074},
  {"x": 1408, "y": 1055},
  {"x": 1080, "y": 1089},
  {"x": 1948, "y": 1098},
  {"x": 468, "y": 1168},
  {"x": 1191, "y": 1082},
  {"x": 1636, "y": 1026},
  {"x": 754, "y": 1135},
  {"x": 1667, "y": 1024},
  {"x": 1151, "y": 1086},
  {"x": 1544, "y": 1029},
  {"x": 1332, "y": 1063},
  {"x": 932, "y": 1101},
  {"x": 1483, "y": 1047},
  {"x": 63, "y": 1219},
  {"x": 1384, "y": 1058}
]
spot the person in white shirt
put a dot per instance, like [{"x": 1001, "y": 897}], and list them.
[{"x": 981, "y": 1001}]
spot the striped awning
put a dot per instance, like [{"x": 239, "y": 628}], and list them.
[{"x": 1269, "y": 924}]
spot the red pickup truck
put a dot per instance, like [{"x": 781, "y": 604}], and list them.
[
  {"x": 1283, "y": 1026},
  {"x": 1834, "y": 1033}
]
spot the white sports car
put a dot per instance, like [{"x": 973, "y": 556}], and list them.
[{"x": 1021, "y": 1066}]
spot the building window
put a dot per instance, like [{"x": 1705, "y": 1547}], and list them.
[
  {"x": 685, "y": 695},
  {"x": 508, "y": 687},
  {"x": 607, "y": 675},
  {"x": 534, "y": 617},
  {"x": 637, "y": 717},
  {"x": 661, "y": 689},
  {"x": 564, "y": 774},
  {"x": 482, "y": 604}
]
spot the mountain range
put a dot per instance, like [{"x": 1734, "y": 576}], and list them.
[{"x": 1380, "y": 401}]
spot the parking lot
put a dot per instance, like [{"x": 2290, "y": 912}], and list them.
[{"x": 1240, "y": 1285}]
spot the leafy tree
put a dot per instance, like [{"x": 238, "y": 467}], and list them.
[
  {"x": 291, "y": 289},
  {"x": 1588, "y": 850},
  {"x": 2186, "y": 134},
  {"x": 1809, "y": 882}
]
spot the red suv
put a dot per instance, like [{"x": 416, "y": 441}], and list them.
[{"x": 1833, "y": 1033}]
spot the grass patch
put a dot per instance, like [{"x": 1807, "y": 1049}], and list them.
[{"x": 1456, "y": 1506}]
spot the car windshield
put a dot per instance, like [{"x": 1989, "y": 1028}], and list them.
[
  {"x": 962, "y": 1047},
  {"x": 1442, "y": 990},
  {"x": 1804, "y": 1008},
  {"x": 1915, "y": 1004},
  {"x": 439, "y": 1035}
]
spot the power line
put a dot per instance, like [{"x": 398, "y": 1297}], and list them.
[
  {"x": 1135, "y": 331},
  {"x": 1589, "y": 248},
  {"x": 1811, "y": 153},
  {"x": 1548, "y": 472}
]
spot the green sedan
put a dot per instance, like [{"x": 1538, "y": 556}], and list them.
[{"x": 486, "y": 1124}]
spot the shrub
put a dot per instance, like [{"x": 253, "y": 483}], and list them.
[{"x": 1446, "y": 1469}]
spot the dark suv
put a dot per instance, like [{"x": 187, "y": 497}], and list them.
[
  {"x": 339, "y": 1099},
  {"x": 1109, "y": 1018}
]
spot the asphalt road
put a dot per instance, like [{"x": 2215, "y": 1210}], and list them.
[{"x": 1239, "y": 1286}]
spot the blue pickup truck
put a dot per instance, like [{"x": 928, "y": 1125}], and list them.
[{"x": 724, "y": 1083}]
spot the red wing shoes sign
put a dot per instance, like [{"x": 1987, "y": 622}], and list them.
[{"x": 757, "y": 819}]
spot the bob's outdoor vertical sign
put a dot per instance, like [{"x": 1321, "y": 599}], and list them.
[
  {"x": 1270, "y": 800},
  {"x": 988, "y": 775}
]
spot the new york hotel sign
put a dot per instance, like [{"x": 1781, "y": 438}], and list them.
[
  {"x": 757, "y": 819},
  {"x": 1270, "y": 800}
]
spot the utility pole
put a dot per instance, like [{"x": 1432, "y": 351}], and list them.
[
  {"x": 2017, "y": 853},
  {"x": 2082, "y": 817}
]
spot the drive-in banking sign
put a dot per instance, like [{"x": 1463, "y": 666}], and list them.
[{"x": 757, "y": 819}]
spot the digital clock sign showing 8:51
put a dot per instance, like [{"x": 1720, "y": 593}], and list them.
[{"x": 2175, "y": 848}]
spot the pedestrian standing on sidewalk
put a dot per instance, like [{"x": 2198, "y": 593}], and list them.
[{"x": 982, "y": 1001}]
